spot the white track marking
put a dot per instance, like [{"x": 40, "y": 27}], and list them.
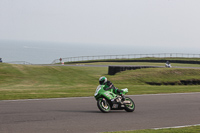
[{"x": 176, "y": 127}]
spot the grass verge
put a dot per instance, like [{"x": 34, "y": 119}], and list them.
[
  {"x": 29, "y": 82},
  {"x": 192, "y": 129}
]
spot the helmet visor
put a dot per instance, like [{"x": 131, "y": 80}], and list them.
[{"x": 101, "y": 82}]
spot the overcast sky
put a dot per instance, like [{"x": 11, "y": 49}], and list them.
[{"x": 114, "y": 22}]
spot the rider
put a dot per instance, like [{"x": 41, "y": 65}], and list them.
[{"x": 109, "y": 85}]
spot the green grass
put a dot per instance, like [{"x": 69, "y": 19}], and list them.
[
  {"x": 192, "y": 129},
  {"x": 29, "y": 81},
  {"x": 26, "y": 82}
]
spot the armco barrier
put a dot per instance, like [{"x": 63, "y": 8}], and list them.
[{"x": 125, "y": 56}]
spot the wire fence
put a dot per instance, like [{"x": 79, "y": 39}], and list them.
[{"x": 125, "y": 56}]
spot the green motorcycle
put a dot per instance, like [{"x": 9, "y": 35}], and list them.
[{"x": 107, "y": 100}]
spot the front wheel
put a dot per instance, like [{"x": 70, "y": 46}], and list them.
[
  {"x": 131, "y": 106},
  {"x": 103, "y": 105}
]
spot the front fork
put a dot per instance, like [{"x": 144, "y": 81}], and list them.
[{"x": 104, "y": 101}]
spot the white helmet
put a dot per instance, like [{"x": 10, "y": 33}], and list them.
[{"x": 102, "y": 80}]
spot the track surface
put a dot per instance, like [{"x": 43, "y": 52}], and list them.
[{"x": 76, "y": 115}]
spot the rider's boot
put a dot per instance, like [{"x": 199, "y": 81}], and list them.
[{"x": 123, "y": 97}]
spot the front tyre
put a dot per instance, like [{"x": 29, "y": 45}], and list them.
[
  {"x": 103, "y": 105},
  {"x": 131, "y": 106}
]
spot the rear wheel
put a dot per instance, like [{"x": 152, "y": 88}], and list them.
[
  {"x": 130, "y": 107},
  {"x": 103, "y": 105}
]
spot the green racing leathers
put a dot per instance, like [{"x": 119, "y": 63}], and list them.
[{"x": 109, "y": 85}]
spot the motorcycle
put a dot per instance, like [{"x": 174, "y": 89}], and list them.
[
  {"x": 168, "y": 65},
  {"x": 108, "y": 100}
]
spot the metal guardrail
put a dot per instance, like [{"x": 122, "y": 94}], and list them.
[{"x": 125, "y": 56}]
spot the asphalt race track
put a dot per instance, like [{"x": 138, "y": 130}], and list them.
[{"x": 81, "y": 115}]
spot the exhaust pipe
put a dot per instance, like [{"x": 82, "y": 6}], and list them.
[{"x": 126, "y": 102}]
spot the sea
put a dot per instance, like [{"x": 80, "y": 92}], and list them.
[{"x": 46, "y": 52}]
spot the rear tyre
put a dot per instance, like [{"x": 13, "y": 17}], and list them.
[
  {"x": 129, "y": 107},
  {"x": 103, "y": 105}
]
